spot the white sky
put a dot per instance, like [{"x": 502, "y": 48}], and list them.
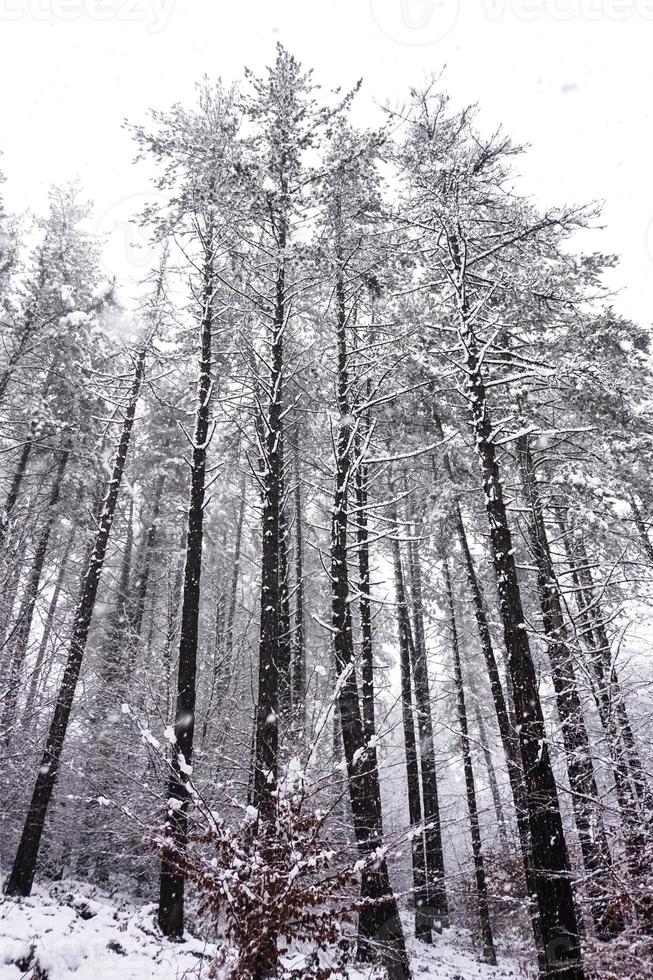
[{"x": 572, "y": 78}]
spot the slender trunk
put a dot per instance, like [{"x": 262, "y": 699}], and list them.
[
  {"x": 417, "y": 837},
  {"x": 14, "y": 489},
  {"x": 591, "y": 832},
  {"x": 606, "y": 689},
  {"x": 145, "y": 563},
  {"x": 22, "y": 874},
  {"x": 233, "y": 588},
  {"x": 172, "y": 619},
  {"x": 636, "y": 828},
  {"x": 285, "y": 633},
  {"x": 489, "y": 954},
  {"x": 439, "y": 906},
  {"x": 379, "y": 918},
  {"x": 9, "y": 591},
  {"x": 640, "y": 524},
  {"x": 26, "y": 612},
  {"x": 507, "y": 729},
  {"x": 172, "y": 883},
  {"x": 267, "y": 716},
  {"x": 298, "y": 666},
  {"x": 219, "y": 616},
  {"x": 608, "y": 682},
  {"x": 364, "y": 604},
  {"x": 116, "y": 661},
  {"x": 491, "y": 774},
  {"x": 222, "y": 653},
  {"x": 550, "y": 860},
  {"x": 47, "y": 628},
  {"x": 26, "y": 451}
]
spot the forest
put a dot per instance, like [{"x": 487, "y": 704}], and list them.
[{"x": 326, "y": 563}]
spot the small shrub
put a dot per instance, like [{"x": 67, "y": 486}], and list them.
[{"x": 278, "y": 886}]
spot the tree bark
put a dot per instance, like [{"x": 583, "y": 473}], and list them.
[
  {"x": 116, "y": 661},
  {"x": 298, "y": 661},
  {"x": 364, "y": 603},
  {"x": 14, "y": 489},
  {"x": 550, "y": 860},
  {"x": 172, "y": 883},
  {"x": 47, "y": 628},
  {"x": 438, "y": 903},
  {"x": 145, "y": 563},
  {"x": 607, "y": 694},
  {"x": 267, "y": 721},
  {"x": 26, "y": 612},
  {"x": 591, "y": 832},
  {"x": 491, "y": 774},
  {"x": 489, "y": 954},
  {"x": 22, "y": 874},
  {"x": 640, "y": 524},
  {"x": 608, "y": 683},
  {"x": 233, "y": 588},
  {"x": 26, "y": 451},
  {"x": 417, "y": 838},
  {"x": 507, "y": 730},
  {"x": 379, "y": 921}
]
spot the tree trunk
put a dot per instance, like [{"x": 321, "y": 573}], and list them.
[
  {"x": 379, "y": 921},
  {"x": 635, "y": 827},
  {"x": 489, "y": 954},
  {"x": 417, "y": 840},
  {"x": 145, "y": 563},
  {"x": 364, "y": 604},
  {"x": 591, "y": 832},
  {"x": 640, "y": 524},
  {"x": 550, "y": 860},
  {"x": 298, "y": 666},
  {"x": 22, "y": 874},
  {"x": 233, "y": 588},
  {"x": 270, "y": 645},
  {"x": 507, "y": 730},
  {"x": 28, "y": 445},
  {"x": 605, "y": 684},
  {"x": 439, "y": 906},
  {"x": 608, "y": 683},
  {"x": 26, "y": 612},
  {"x": 116, "y": 660},
  {"x": 172, "y": 619},
  {"x": 491, "y": 774},
  {"x": 285, "y": 632},
  {"x": 47, "y": 628},
  {"x": 171, "y": 891}
]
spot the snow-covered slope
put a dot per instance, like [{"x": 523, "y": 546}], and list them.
[
  {"x": 91, "y": 938},
  {"x": 72, "y": 931}
]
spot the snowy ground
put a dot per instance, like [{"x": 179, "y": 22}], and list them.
[{"x": 76, "y": 932}]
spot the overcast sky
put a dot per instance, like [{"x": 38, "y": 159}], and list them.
[{"x": 572, "y": 78}]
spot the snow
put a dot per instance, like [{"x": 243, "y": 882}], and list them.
[
  {"x": 452, "y": 957},
  {"x": 74, "y": 930},
  {"x": 92, "y": 938}
]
